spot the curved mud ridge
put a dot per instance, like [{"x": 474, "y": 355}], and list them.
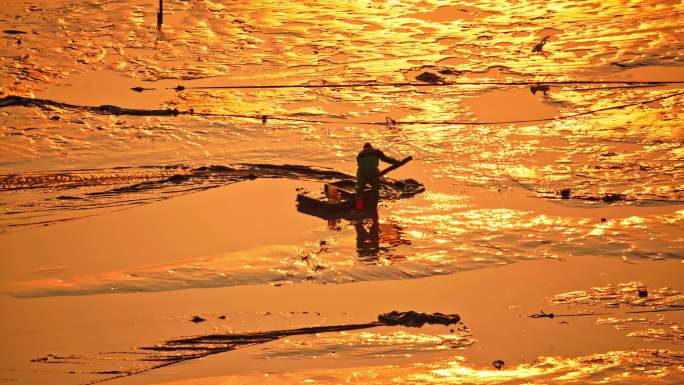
[{"x": 70, "y": 195}]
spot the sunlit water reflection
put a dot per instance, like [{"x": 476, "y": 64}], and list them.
[
  {"x": 95, "y": 52},
  {"x": 617, "y": 367},
  {"x": 494, "y": 186}
]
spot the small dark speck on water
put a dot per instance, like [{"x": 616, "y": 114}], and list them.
[
  {"x": 643, "y": 293},
  {"x": 499, "y": 364},
  {"x": 610, "y": 198},
  {"x": 565, "y": 193},
  {"x": 197, "y": 319}
]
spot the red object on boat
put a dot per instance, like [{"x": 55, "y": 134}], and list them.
[{"x": 359, "y": 204}]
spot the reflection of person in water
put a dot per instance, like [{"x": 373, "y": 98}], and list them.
[
  {"x": 368, "y": 240},
  {"x": 370, "y": 233}
]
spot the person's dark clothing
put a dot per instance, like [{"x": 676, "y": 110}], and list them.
[{"x": 368, "y": 161}]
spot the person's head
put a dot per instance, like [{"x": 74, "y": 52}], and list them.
[{"x": 367, "y": 145}]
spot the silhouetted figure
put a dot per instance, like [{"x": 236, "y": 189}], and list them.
[{"x": 367, "y": 172}]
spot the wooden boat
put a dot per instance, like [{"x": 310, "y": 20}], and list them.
[{"x": 338, "y": 198}]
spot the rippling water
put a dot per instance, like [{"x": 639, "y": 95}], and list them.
[
  {"x": 96, "y": 52},
  {"x": 614, "y": 367},
  {"x": 616, "y": 149}
]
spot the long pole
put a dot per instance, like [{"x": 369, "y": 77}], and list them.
[
  {"x": 160, "y": 15},
  {"x": 396, "y": 166}
]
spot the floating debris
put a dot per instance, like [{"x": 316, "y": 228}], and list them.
[
  {"x": 414, "y": 319},
  {"x": 565, "y": 193},
  {"x": 540, "y": 46},
  {"x": 610, "y": 198},
  {"x": 449, "y": 71},
  {"x": 429, "y": 77},
  {"x": 499, "y": 364},
  {"x": 141, "y": 89},
  {"x": 197, "y": 319},
  {"x": 390, "y": 122},
  {"x": 542, "y": 315},
  {"x": 68, "y": 197},
  {"x": 539, "y": 88}
]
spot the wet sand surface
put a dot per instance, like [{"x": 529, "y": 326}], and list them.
[
  {"x": 496, "y": 318},
  {"x": 83, "y": 338},
  {"x": 149, "y": 177}
]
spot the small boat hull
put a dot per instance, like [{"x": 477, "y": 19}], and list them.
[{"x": 337, "y": 200}]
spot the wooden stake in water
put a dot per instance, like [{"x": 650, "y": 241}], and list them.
[{"x": 160, "y": 15}]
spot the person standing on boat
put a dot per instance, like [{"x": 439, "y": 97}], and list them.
[{"x": 367, "y": 172}]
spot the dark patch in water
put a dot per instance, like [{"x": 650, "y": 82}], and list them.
[
  {"x": 141, "y": 89},
  {"x": 68, "y": 197},
  {"x": 429, "y": 77},
  {"x": 539, "y": 88},
  {"x": 413, "y": 319}
]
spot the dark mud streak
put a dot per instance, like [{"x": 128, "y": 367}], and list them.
[
  {"x": 191, "y": 348},
  {"x": 79, "y": 190},
  {"x": 146, "y": 177},
  {"x": 429, "y": 82},
  {"x": 114, "y": 110},
  {"x": 11, "y": 101}
]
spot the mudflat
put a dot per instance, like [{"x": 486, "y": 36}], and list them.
[{"x": 149, "y": 229}]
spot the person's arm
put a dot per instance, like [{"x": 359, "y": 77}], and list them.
[{"x": 387, "y": 159}]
